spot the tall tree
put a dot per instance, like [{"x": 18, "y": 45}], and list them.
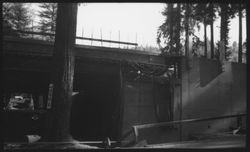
[
  {"x": 16, "y": 16},
  {"x": 170, "y": 16},
  {"x": 178, "y": 29},
  {"x": 170, "y": 30},
  {"x": 240, "y": 35},
  {"x": 6, "y": 15},
  {"x": 165, "y": 30},
  {"x": 238, "y": 9},
  {"x": 201, "y": 15},
  {"x": 211, "y": 18},
  {"x": 226, "y": 13},
  {"x": 63, "y": 73},
  {"x": 205, "y": 38},
  {"x": 192, "y": 23},
  {"x": 187, "y": 15},
  {"x": 224, "y": 27},
  {"x": 48, "y": 18}
]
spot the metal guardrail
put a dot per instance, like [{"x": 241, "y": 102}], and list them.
[
  {"x": 107, "y": 143},
  {"x": 77, "y": 37},
  {"x": 135, "y": 128}
]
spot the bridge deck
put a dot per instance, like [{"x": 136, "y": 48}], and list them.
[{"x": 42, "y": 48}]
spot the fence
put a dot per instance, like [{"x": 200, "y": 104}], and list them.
[{"x": 77, "y": 37}]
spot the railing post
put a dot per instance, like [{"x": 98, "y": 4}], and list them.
[{"x": 135, "y": 130}]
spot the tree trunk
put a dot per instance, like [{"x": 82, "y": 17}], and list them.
[
  {"x": 170, "y": 14},
  {"x": 178, "y": 29},
  {"x": 223, "y": 28},
  {"x": 212, "y": 39},
  {"x": 187, "y": 30},
  {"x": 63, "y": 72},
  {"x": 212, "y": 32},
  {"x": 240, "y": 35},
  {"x": 205, "y": 38}
]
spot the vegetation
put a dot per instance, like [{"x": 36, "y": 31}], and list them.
[
  {"x": 48, "y": 19},
  {"x": 15, "y": 17},
  {"x": 187, "y": 28},
  {"x": 201, "y": 15},
  {"x": 170, "y": 30},
  {"x": 180, "y": 25},
  {"x": 189, "y": 17},
  {"x": 240, "y": 8},
  {"x": 211, "y": 18}
]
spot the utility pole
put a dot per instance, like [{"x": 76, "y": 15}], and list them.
[{"x": 62, "y": 73}]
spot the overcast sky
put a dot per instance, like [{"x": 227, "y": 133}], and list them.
[{"x": 136, "y": 22}]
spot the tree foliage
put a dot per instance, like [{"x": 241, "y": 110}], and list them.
[
  {"x": 226, "y": 12},
  {"x": 205, "y": 13},
  {"x": 187, "y": 28},
  {"x": 178, "y": 20},
  {"x": 15, "y": 17},
  {"x": 7, "y": 28},
  {"x": 47, "y": 16},
  {"x": 189, "y": 17},
  {"x": 239, "y": 9},
  {"x": 202, "y": 16},
  {"x": 211, "y": 18},
  {"x": 170, "y": 30}
]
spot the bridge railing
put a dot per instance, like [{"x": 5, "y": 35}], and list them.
[
  {"x": 134, "y": 131},
  {"x": 77, "y": 37}
]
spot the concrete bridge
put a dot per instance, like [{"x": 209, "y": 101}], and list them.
[
  {"x": 19, "y": 53},
  {"x": 201, "y": 92},
  {"x": 98, "y": 79}
]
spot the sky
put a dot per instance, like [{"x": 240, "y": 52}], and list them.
[{"x": 136, "y": 22}]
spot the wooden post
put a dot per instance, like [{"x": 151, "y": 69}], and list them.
[{"x": 63, "y": 73}]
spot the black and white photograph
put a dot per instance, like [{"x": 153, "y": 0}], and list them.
[{"x": 124, "y": 75}]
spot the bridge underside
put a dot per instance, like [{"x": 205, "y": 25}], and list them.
[
  {"x": 36, "y": 55},
  {"x": 28, "y": 66},
  {"x": 103, "y": 81}
]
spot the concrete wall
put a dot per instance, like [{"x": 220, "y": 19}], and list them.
[
  {"x": 209, "y": 92},
  {"x": 204, "y": 90},
  {"x": 139, "y": 107}
]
